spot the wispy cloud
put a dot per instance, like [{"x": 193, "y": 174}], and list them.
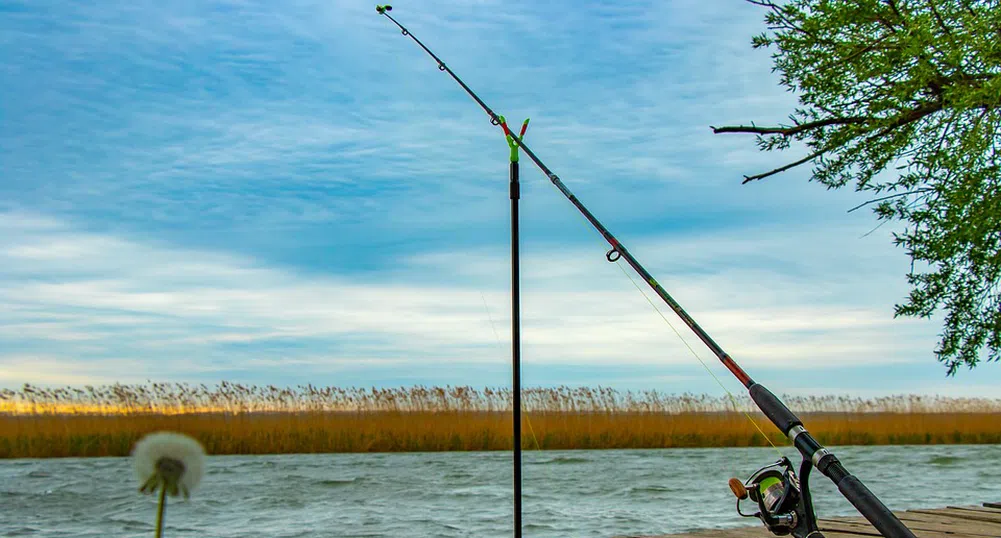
[
  {"x": 190, "y": 112},
  {"x": 84, "y": 304}
]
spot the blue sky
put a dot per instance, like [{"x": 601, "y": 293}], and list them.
[{"x": 291, "y": 192}]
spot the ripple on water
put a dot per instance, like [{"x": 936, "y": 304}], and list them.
[
  {"x": 453, "y": 495},
  {"x": 650, "y": 489},
  {"x": 131, "y": 523},
  {"x": 562, "y": 460},
  {"x": 945, "y": 460},
  {"x": 24, "y": 531},
  {"x": 339, "y": 482}
]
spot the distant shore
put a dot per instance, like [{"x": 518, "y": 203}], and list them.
[{"x": 234, "y": 419}]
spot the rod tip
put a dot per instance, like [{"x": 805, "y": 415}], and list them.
[{"x": 383, "y": 9}]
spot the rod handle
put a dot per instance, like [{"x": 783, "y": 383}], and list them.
[
  {"x": 774, "y": 409},
  {"x": 872, "y": 508}
]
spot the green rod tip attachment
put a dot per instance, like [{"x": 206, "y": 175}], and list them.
[{"x": 383, "y": 9}]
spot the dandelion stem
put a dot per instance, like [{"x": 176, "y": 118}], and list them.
[{"x": 159, "y": 510}]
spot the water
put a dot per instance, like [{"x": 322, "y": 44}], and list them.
[{"x": 568, "y": 494}]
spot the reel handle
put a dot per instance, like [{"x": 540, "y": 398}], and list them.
[{"x": 738, "y": 489}]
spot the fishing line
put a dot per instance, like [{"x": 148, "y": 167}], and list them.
[
  {"x": 695, "y": 354},
  {"x": 500, "y": 345},
  {"x": 491, "y": 318},
  {"x": 719, "y": 382}
]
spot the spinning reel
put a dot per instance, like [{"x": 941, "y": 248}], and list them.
[{"x": 784, "y": 503}]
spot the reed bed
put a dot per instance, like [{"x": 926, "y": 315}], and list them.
[{"x": 232, "y": 418}]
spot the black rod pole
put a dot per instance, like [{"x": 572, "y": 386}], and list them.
[
  {"x": 515, "y": 195},
  {"x": 826, "y": 462},
  {"x": 516, "y": 342}
]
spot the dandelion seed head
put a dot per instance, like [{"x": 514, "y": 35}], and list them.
[{"x": 171, "y": 453}]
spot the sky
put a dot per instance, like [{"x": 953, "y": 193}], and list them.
[{"x": 291, "y": 192}]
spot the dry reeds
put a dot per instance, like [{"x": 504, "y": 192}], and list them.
[{"x": 239, "y": 419}]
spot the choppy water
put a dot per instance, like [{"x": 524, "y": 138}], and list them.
[{"x": 568, "y": 494}]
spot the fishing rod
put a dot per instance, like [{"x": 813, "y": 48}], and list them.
[{"x": 783, "y": 497}]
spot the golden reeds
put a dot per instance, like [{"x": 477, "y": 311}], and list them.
[{"x": 232, "y": 418}]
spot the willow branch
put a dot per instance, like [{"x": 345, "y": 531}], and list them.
[
  {"x": 784, "y": 19},
  {"x": 898, "y": 195},
  {"x": 911, "y": 116},
  {"x": 789, "y": 131},
  {"x": 938, "y": 19},
  {"x": 806, "y": 159},
  {"x": 893, "y": 6}
]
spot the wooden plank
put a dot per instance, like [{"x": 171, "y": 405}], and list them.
[
  {"x": 965, "y": 515},
  {"x": 736, "y": 532},
  {"x": 852, "y": 527},
  {"x": 939, "y": 518},
  {"x": 920, "y": 529},
  {"x": 943, "y": 534},
  {"x": 740, "y": 532},
  {"x": 916, "y": 522},
  {"x": 974, "y": 511},
  {"x": 946, "y": 530},
  {"x": 938, "y": 523},
  {"x": 949, "y": 522},
  {"x": 978, "y": 509}
]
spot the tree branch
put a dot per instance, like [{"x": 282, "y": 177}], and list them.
[
  {"x": 789, "y": 131},
  {"x": 911, "y": 116},
  {"x": 778, "y": 13},
  {"x": 938, "y": 18},
  {"x": 893, "y": 6},
  {"x": 870, "y": 47},
  {"x": 969, "y": 10},
  {"x": 886, "y": 23},
  {"x": 898, "y": 195},
  {"x": 806, "y": 159}
]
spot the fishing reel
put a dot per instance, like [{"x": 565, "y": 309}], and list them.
[{"x": 784, "y": 503}]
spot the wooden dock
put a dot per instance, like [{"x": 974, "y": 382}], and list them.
[{"x": 951, "y": 522}]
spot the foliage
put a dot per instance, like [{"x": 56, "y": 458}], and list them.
[{"x": 903, "y": 99}]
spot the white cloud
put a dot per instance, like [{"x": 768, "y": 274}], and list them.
[{"x": 113, "y": 296}]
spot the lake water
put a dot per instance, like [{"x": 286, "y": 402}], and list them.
[{"x": 567, "y": 494}]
